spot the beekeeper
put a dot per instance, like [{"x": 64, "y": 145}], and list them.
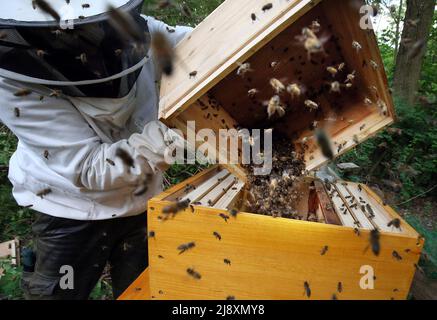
[{"x": 82, "y": 99}]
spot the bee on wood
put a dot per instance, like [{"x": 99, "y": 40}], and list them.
[
  {"x": 151, "y": 234},
  {"x": 324, "y": 250},
  {"x": 17, "y": 112},
  {"x": 357, "y": 46},
  {"x": 362, "y": 127},
  {"x": 374, "y": 242},
  {"x": 374, "y": 65},
  {"x": 112, "y": 163},
  {"x": 227, "y": 261},
  {"x": 275, "y": 107},
  {"x": 356, "y": 139},
  {"x": 22, "y": 92},
  {"x": 307, "y": 288},
  {"x": 370, "y": 210},
  {"x": 243, "y": 69},
  {"x": 44, "y": 192},
  {"x": 294, "y": 90},
  {"x": 341, "y": 66},
  {"x": 350, "y": 77},
  {"x": 252, "y": 93},
  {"x": 230, "y": 298},
  {"x": 324, "y": 143},
  {"x": 274, "y": 64},
  {"x": 224, "y": 217},
  {"x": 396, "y": 255},
  {"x": 194, "y": 274},
  {"x": 335, "y": 87},
  {"x": 163, "y": 52},
  {"x": 217, "y": 235},
  {"x": 311, "y": 105},
  {"x": 267, "y": 7},
  {"x": 334, "y": 297},
  {"x": 193, "y": 74},
  {"x": 185, "y": 247},
  {"x": 340, "y": 287},
  {"x": 277, "y": 85},
  {"x": 395, "y": 223},
  {"x": 368, "y": 102},
  {"x": 46, "y": 154},
  {"x": 233, "y": 213},
  {"x": 333, "y": 71},
  {"x": 47, "y": 8},
  {"x": 382, "y": 107},
  {"x": 357, "y": 232},
  {"x": 125, "y": 157}
]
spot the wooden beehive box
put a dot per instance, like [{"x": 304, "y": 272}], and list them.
[{"x": 273, "y": 258}]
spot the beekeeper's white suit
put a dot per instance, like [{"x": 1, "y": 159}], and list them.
[{"x": 64, "y": 144}]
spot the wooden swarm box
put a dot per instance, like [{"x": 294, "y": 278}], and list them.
[{"x": 260, "y": 257}]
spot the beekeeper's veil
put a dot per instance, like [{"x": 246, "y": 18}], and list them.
[{"x": 85, "y": 53}]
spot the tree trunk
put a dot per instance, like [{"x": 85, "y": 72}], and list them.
[
  {"x": 398, "y": 20},
  {"x": 408, "y": 69}
]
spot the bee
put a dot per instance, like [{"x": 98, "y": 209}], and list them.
[
  {"x": 341, "y": 66},
  {"x": 111, "y": 162},
  {"x": 356, "y": 139},
  {"x": 151, "y": 234},
  {"x": 185, "y": 247},
  {"x": 307, "y": 288},
  {"x": 193, "y": 74},
  {"x": 83, "y": 58},
  {"x": 324, "y": 143},
  {"x": 185, "y": 9},
  {"x": 118, "y": 52},
  {"x": 252, "y": 93},
  {"x": 194, "y": 274},
  {"x": 176, "y": 207},
  {"x": 224, "y": 217},
  {"x": 367, "y": 101},
  {"x": 274, "y": 64},
  {"x": 44, "y": 192},
  {"x": 374, "y": 65},
  {"x": 277, "y": 85},
  {"x": 357, "y": 232},
  {"x": 370, "y": 210},
  {"x": 17, "y": 112},
  {"x": 335, "y": 87},
  {"x": 395, "y": 223},
  {"x": 40, "y": 53},
  {"x": 163, "y": 52},
  {"x": 350, "y": 77},
  {"x": 311, "y": 105},
  {"x": 233, "y": 213},
  {"x": 267, "y": 7},
  {"x": 217, "y": 235},
  {"x": 253, "y": 17},
  {"x": 357, "y": 46},
  {"x": 324, "y": 250},
  {"x": 227, "y": 261},
  {"x": 382, "y": 107},
  {"x": 55, "y": 93},
  {"x": 340, "y": 287},
  {"x": 333, "y": 71},
  {"x": 315, "y": 26},
  {"x": 294, "y": 90},
  {"x": 85, "y": 6},
  {"x": 334, "y": 297},
  {"x": 275, "y": 107},
  {"x": 163, "y": 4},
  {"x": 312, "y": 44},
  {"x": 22, "y": 92},
  {"x": 374, "y": 242},
  {"x": 230, "y": 298},
  {"x": 243, "y": 69},
  {"x": 47, "y": 8},
  {"x": 46, "y": 154},
  {"x": 362, "y": 127},
  {"x": 125, "y": 157},
  {"x": 396, "y": 255},
  {"x": 3, "y": 35}
]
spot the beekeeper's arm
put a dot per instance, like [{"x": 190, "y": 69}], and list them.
[{"x": 54, "y": 128}]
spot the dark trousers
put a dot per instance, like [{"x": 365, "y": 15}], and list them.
[{"x": 85, "y": 247}]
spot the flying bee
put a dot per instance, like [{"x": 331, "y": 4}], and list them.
[
  {"x": 83, "y": 58},
  {"x": 163, "y": 4},
  {"x": 267, "y": 7},
  {"x": 274, "y": 64},
  {"x": 185, "y": 9},
  {"x": 374, "y": 65},
  {"x": 243, "y": 69},
  {"x": 333, "y": 71},
  {"x": 324, "y": 143},
  {"x": 335, "y": 87},
  {"x": 356, "y": 139},
  {"x": 185, "y": 247},
  {"x": 324, "y": 250},
  {"x": 396, "y": 255},
  {"x": 395, "y": 223},
  {"x": 125, "y": 157},
  {"x": 311, "y": 105},
  {"x": 315, "y": 26},
  {"x": 341, "y": 66},
  {"x": 194, "y": 274},
  {"x": 17, "y": 112},
  {"x": 44, "y": 192},
  {"x": 274, "y": 106},
  {"x": 227, "y": 261},
  {"x": 357, "y": 46},
  {"x": 294, "y": 90},
  {"x": 217, "y": 235},
  {"x": 340, "y": 287},
  {"x": 224, "y": 217},
  {"x": 163, "y": 52},
  {"x": 277, "y": 85},
  {"x": 47, "y": 8},
  {"x": 252, "y": 93},
  {"x": 374, "y": 242},
  {"x": 350, "y": 77},
  {"x": 174, "y": 208},
  {"x": 22, "y": 92},
  {"x": 307, "y": 288},
  {"x": 151, "y": 234}
]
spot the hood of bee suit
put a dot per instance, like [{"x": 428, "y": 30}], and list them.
[{"x": 85, "y": 53}]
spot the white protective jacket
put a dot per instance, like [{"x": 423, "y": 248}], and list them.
[{"x": 64, "y": 144}]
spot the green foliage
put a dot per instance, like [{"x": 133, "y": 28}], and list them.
[{"x": 10, "y": 277}]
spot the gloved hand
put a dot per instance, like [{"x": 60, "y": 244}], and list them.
[{"x": 156, "y": 144}]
